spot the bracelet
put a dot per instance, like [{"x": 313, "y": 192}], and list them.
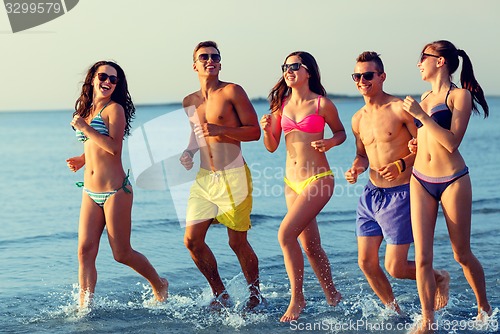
[
  {"x": 397, "y": 163},
  {"x": 403, "y": 163},
  {"x": 191, "y": 154}
]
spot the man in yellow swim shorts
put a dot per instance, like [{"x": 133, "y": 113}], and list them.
[{"x": 221, "y": 116}]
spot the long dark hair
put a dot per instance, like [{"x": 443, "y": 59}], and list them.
[
  {"x": 280, "y": 91},
  {"x": 120, "y": 94},
  {"x": 450, "y": 53}
]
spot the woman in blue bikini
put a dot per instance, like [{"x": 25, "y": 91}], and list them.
[
  {"x": 299, "y": 107},
  {"x": 102, "y": 119},
  {"x": 440, "y": 173}
]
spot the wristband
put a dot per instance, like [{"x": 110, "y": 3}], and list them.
[
  {"x": 397, "y": 163},
  {"x": 403, "y": 164},
  {"x": 191, "y": 154}
]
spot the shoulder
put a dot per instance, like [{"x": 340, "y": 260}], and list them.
[
  {"x": 356, "y": 118},
  {"x": 326, "y": 105},
  {"x": 425, "y": 94},
  {"x": 233, "y": 89},
  {"x": 460, "y": 99},
  {"x": 113, "y": 110},
  {"x": 190, "y": 99}
]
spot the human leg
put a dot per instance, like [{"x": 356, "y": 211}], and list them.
[
  {"x": 194, "y": 240},
  {"x": 457, "y": 208},
  {"x": 90, "y": 228},
  {"x": 369, "y": 263},
  {"x": 423, "y": 216},
  {"x": 302, "y": 209},
  {"x": 249, "y": 263},
  {"x": 118, "y": 210},
  {"x": 311, "y": 243}
]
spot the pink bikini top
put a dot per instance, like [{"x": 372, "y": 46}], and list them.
[{"x": 313, "y": 123}]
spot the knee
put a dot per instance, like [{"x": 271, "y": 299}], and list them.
[
  {"x": 192, "y": 244},
  {"x": 462, "y": 256},
  {"x": 313, "y": 250},
  {"x": 237, "y": 245},
  {"x": 285, "y": 238},
  {"x": 87, "y": 252},
  {"x": 368, "y": 266},
  {"x": 122, "y": 255},
  {"x": 395, "y": 269}
]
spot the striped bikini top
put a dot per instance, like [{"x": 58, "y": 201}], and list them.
[
  {"x": 312, "y": 123},
  {"x": 98, "y": 124}
]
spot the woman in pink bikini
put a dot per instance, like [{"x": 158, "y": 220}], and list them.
[
  {"x": 300, "y": 107},
  {"x": 102, "y": 118},
  {"x": 440, "y": 173}
]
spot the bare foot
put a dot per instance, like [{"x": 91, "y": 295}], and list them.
[
  {"x": 394, "y": 306},
  {"x": 86, "y": 299},
  {"x": 254, "y": 301},
  {"x": 442, "y": 289},
  {"x": 221, "y": 301},
  {"x": 483, "y": 315},
  {"x": 293, "y": 311},
  {"x": 334, "y": 298},
  {"x": 162, "y": 293}
]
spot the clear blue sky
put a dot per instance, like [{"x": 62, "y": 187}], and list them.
[{"x": 42, "y": 68}]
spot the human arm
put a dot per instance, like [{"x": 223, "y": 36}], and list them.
[
  {"x": 271, "y": 126},
  {"x": 461, "y": 107},
  {"x": 332, "y": 118},
  {"x": 114, "y": 117},
  {"x": 75, "y": 163},
  {"x": 360, "y": 163},
  {"x": 249, "y": 129},
  {"x": 186, "y": 158}
]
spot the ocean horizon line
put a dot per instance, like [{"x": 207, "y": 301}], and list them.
[{"x": 253, "y": 100}]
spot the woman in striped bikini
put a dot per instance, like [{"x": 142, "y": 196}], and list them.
[{"x": 102, "y": 117}]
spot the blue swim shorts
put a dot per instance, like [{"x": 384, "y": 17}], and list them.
[{"x": 385, "y": 212}]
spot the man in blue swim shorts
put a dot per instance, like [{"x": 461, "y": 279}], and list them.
[
  {"x": 383, "y": 133},
  {"x": 221, "y": 117}
]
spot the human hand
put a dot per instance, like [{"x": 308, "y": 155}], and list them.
[
  {"x": 412, "y": 145},
  {"x": 78, "y": 123},
  {"x": 186, "y": 160},
  {"x": 413, "y": 107},
  {"x": 351, "y": 175},
  {"x": 265, "y": 122},
  {"x": 75, "y": 163},
  {"x": 390, "y": 172},
  {"x": 207, "y": 130},
  {"x": 320, "y": 145}
]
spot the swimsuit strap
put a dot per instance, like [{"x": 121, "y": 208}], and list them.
[
  {"x": 447, "y": 94},
  {"x": 319, "y": 100},
  {"x": 125, "y": 183},
  {"x": 426, "y": 95},
  {"x": 104, "y": 107}
]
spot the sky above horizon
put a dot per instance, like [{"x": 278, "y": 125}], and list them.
[{"x": 43, "y": 68}]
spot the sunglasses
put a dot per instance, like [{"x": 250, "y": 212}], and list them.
[
  {"x": 367, "y": 75},
  {"x": 294, "y": 67},
  {"x": 424, "y": 55},
  {"x": 103, "y": 77},
  {"x": 204, "y": 57}
]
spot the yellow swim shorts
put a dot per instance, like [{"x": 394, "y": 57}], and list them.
[{"x": 225, "y": 196}]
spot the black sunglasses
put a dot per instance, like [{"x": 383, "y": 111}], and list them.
[
  {"x": 204, "y": 57},
  {"x": 367, "y": 75},
  {"x": 424, "y": 55},
  {"x": 294, "y": 67},
  {"x": 103, "y": 77}
]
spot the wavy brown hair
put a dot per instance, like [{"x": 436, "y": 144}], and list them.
[
  {"x": 120, "y": 95},
  {"x": 280, "y": 91}
]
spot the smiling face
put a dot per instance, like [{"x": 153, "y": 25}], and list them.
[
  {"x": 104, "y": 88},
  {"x": 369, "y": 87},
  {"x": 298, "y": 77},
  {"x": 208, "y": 66}
]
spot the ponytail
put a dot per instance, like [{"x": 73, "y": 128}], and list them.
[{"x": 469, "y": 82}]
